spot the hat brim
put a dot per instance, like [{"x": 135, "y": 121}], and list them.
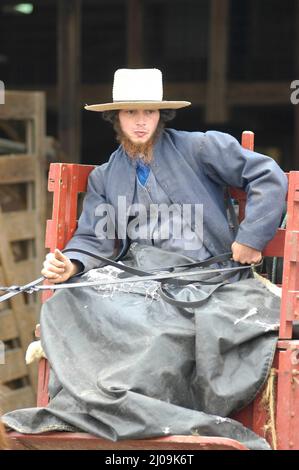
[{"x": 137, "y": 105}]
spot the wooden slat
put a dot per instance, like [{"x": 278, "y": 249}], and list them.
[
  {"x": 216, "y": 109},
  {"x": 276, "y": 246},
  {"x": 38, "y": 144},
  {"x": 69, "y": 50},
  {"x": 19, "y": 105},
  {"x": 8, "y": 328},
  {"x": 30, "y": 313},
  {"x": 9, "y": 146},
  {"x": 20, "y": 225},
  {"x": 84, "y": 441},
  {"x": 295, "y": 163},
  {"x": 18, "y": 317},
  {"x": 290, "y": 280},
  {"x": 3, "y": 305},
  {"x": 14, "y": 367},
  {"x": 23, "y": 324},
  {"x": 25, "y": 271},
  {"x": 17, "y": 169},
  {"x": 14, "y": 399},
  {"x": 258, "y": 93},
  {"x": 134, "y": 33},
  {"x": 83, "y": 174}
]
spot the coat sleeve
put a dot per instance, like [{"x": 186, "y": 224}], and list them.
[
  {"x": 226, "y": 162},
  {"x": 89, "y": 235}
]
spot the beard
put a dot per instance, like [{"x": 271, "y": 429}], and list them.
[{"x": 143, "y": 151}]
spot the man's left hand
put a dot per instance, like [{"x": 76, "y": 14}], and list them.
[{"x": 245, "y": 254}]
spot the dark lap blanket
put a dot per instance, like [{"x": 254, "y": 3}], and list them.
[{"x": 126, "y": 364}]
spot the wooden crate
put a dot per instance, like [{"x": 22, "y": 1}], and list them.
[{"x": 22, "y": 222}]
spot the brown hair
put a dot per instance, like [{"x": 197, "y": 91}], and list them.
[{"x": 165, "y": 116}]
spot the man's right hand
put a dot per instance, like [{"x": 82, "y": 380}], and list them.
[{"x": 58, "y": 268}]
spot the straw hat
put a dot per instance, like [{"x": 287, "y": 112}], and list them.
[{"x": 137, "y": 89}]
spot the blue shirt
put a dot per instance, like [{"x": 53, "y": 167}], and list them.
[{"x": 142, "y": 171}]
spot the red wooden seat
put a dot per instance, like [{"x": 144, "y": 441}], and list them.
[{"x": 66, "y": 181}]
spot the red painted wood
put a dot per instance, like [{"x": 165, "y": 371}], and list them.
[
  {"x": 287, "y": 344},
  {"x": 287, "y": 413},
  {"x": 248, "y": 140},
  {"x": 77, "y": 441},
  {"x": 247, "y": 143},
  {"x": 66, "y": 181},
  {"x": 245, "y": 416},
  {"x": 290, "y": 283},
  {"x": 43, "y": 381},
  {"x": 276, "y": 246}
]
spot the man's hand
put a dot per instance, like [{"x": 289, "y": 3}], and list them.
[
  {"x": 245, "y": 255},
  {"x": 58, "y": 267}
]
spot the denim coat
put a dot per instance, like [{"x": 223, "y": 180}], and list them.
[{"x": 192, "y": 168}]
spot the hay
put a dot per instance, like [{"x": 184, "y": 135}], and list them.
[{"x": 269, "y": 404}]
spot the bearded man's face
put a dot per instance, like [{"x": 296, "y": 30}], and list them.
[
  {"x": 137, "y": 131},
  {"x": 139, "y": 125}
]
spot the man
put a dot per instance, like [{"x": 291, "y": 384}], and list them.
[
  {"x": 176, "y": 357},
  {"x": 196, "y": 166}
]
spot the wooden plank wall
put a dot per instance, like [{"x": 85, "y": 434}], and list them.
[{"x": 22, "y": 222}]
